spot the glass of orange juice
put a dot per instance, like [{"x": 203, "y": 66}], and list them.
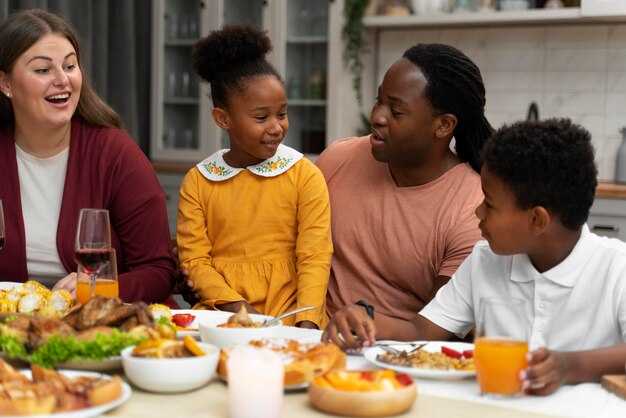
[
  {"x": 501, "y": 346},
  {"x": 105, "y": 283}
]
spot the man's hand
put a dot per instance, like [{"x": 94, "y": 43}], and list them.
[
  {"x": 350, "y": 328},
  {"x": 547, "y": 371}
]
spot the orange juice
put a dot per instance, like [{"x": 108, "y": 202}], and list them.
[
  {"x": 498, "y": 364},
  {"x": 107, "y": 288}
]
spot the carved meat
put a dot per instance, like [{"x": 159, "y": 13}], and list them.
[{"x": 42, "y": 329}]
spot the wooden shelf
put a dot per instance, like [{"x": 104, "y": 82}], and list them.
[
  {"x": 570, "y": 15},
  {"x": 611, "y": 190}
]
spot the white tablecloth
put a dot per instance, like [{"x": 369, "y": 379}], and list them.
[{"x": 583, "y": 400}]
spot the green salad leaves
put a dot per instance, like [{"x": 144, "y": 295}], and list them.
[{"x": 57, "y": 350}]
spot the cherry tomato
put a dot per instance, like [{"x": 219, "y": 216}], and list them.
[
  {"x": 468, "y": 353},
  {"x": 450, "y": 352},
  {"x": 404, "y": 379},
  {"x": 183, "y": 320}
]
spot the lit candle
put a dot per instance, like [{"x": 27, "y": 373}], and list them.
[{"x": 255, "y": 382}]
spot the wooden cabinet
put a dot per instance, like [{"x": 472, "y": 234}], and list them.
[{"x": 182, "y": 127}]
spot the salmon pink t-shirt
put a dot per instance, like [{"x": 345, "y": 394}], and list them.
[{"x": 390, "y": 242}]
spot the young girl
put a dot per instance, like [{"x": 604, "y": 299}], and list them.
[{"x": 253, "y": 220}]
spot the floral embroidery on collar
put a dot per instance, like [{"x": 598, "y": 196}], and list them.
[{"x": 216, "y": 169}]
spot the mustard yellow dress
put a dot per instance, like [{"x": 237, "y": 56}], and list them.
[{"x": 260, "y": 234}]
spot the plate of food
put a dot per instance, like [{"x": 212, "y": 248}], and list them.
[
  {"x": 303, "y": 361},
  {"x": 437, "y": 360},
  {"x": 9, "y": 285},
  {"x": 90, "y": 337},
  {"x": 60, "y": 390},
  {"x": 187, "y": 320},
  {"x": 109, "y": 363}
]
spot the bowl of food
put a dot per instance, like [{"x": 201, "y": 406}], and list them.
[
  {"x": 363, "y": 393},
  {"x": 168, "y": 366},
  {"x": 239, "y": 328}
]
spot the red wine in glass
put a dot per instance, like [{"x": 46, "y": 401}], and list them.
[
  {"x": 1, "y": 243},
  {"x": 92, "y": 259}
]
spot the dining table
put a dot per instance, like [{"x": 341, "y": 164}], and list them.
[
  {"x": 436, "y": 398},
  {"x": 212, "y": 401}
]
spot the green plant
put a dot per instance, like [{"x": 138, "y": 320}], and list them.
[
  {"x": 355, "y": 43},
  {"x": 366, "y": 124}
]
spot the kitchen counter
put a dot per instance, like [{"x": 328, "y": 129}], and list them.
[
  {"x": 611, "y": 190},
  {"x": 605, "y": 189}
]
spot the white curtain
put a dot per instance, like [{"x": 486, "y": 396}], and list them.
[{"x": 115, "y": 41}]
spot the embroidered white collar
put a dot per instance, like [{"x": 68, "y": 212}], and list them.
[{"x": 215, "y": 168}]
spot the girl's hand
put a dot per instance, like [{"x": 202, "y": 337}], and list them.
[
  {"x": 547, "y": 371},
  {"x": 307, "y": 324},
  {"x": 236, "y": 306},
  {"x": 350, "y": 328},
  {"x": 184, "y": 285},
  {"x": 67, "y": 283}
]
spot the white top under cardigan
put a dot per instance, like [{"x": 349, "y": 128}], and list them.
[{"x": 41, "y": 190}]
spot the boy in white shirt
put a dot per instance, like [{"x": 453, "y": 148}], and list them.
[{"x": 539, "y": 181}]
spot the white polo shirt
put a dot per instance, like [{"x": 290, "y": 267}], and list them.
[{"x": 577, "y": 305}]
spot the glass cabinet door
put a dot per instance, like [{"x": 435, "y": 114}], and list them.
[
  {"x": 182, "y": 127},
  {"x": 243, "y": 11},
  {"x": 180, "y": 84},
  {"x": 306, "y": 63},
  {"x": 237, "y": 12},
  {"x": 177, "y": 102}
]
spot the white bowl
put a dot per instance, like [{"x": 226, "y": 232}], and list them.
[
  {"x": 171, "y": 375},
  {"x": 224, "y": 337}
]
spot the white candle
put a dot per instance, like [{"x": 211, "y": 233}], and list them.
[{"x": 255, "y": 383}]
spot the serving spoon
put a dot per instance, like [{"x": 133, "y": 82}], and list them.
[{"x": 286, "y": 314}]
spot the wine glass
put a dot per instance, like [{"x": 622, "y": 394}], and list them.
[
  {"x": 2, "y": 232},
  {"x": 92, "y": 248},
  {"x": 106, "y": 283},
  {"x": 501, "y": 346}
]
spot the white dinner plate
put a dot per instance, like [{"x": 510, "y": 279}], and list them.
[
  {"x": 300, "y": 334},
  {"x": 94, "y": 411},
  {"x": 110, "y": 363},
  {"x": 434, "y": 346},
  {"x": 199, "y": 314},
  {"x": 9, "y": 285}
]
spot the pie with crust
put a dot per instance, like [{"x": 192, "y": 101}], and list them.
[{"x": 302, "y": 361}]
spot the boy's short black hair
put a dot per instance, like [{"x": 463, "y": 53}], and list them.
[{"x": 547, "y": 163}]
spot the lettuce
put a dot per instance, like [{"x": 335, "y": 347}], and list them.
[
  {"x": 57, "y": 350},
  {"x": 12, "y": 347}
]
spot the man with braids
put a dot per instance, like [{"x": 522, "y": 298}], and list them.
[{"x": 402, "y": 202}]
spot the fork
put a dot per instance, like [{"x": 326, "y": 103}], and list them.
[{"x": 389, "y": 349}]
